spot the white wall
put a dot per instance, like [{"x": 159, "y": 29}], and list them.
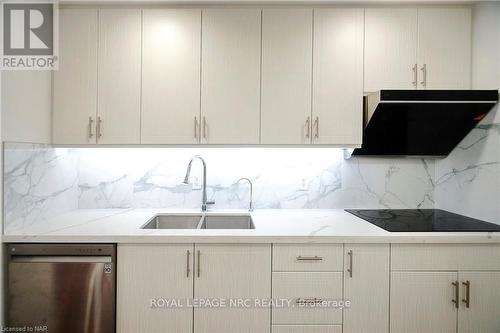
[{"x": 27, "y": 106}]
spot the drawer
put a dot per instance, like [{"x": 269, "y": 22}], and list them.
[
  {"x": 306, "y": 286},
  {"x": 307, "y": 329},
  {"x": 307, "y": 257},
  {"x": 445, "y": 257}
]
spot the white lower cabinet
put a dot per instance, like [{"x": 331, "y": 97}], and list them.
[
  {"x": 390, "y": 288},
  {"x": 232, "y": 272},
  {"x": 445, "y": 288},
  {"x": 423, "y": 302},
  {"x": 366, "y": 287},
  {"x": 480, "y": 302},
  {"x": 150, "y": 276}
]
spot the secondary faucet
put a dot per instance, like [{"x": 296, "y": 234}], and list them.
[
  {"x": 250, "y": 205},
  {"x": 204, "y": 201}
]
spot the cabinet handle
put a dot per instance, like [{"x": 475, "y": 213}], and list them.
[
  {"x": 415, "y": 75},
  {"x": 467, "y": 293},
  {"x": 91, "y": 122},
  {"x": 455, "y": 300},
  {"x": 349, "y": 270},
  {"x": 316, "y": 124},
  {"x": 198, "y": 262},
  {"x": 315, "y": 258},
  {"x": 424, "y": 75},
  {"x": 98, "y": 129},
  {"x": 196, "y": 128},
  {"x": 188, "y": 254},
  {"x": 204, "y": 128},
  {"x": 308, "y": 127}
]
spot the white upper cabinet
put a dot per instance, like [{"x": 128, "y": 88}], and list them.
[
  {"x": 390, "y": 48},
  {"x": 444, "y": 48},
  {"x": 286, "y": 76},
  {"x": 237, "y": 76},
  {"x": 424, "y": 48},
  {"x": 337, "y": 104},
  {"x": 171, "y": 76},
  {"x": 119, "y": 76},
  {"x": 75, "y": 83},
  {"x": 230, "y": 79}
]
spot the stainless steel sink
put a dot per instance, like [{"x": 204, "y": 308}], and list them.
[
  {"x": 199, "y": 221},
  {"x": 227, "y": 222},
  {"x": 173, "y": 221}
]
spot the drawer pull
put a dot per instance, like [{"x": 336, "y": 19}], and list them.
[
  {"x": 308, "y": 301},
  {"x": 315, "y": 258}
]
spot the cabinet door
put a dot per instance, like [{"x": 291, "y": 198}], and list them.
[
  {"x": 286, "y": 76},
  {"x": 171, "y": 76},
  {"x": 366, "y": 266},
  {"x": 233, "y": 272},
  {"x": 230, "y": 88},
  {"x": 482, "y": 315},
  {"x": 444, "y": 48},
  {"x": 337, "y": 112},
  {"x": 75, "y": 83},
  {"x": 390, "y": 48},
  {"x": 423, "y": 302},
  {"x": 119, "y": 76},
  {"x": 149, "y": 275}
]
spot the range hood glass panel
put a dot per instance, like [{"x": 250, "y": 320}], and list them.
[{"x": 425, "y": 129}]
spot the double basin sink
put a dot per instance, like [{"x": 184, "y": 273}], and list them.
[{"x": 199, "y": 221}]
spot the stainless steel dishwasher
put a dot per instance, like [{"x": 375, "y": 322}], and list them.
[{"x": 61, "y": 287}]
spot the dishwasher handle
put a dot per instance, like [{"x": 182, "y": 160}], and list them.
[{"x": 61, "y": 259}]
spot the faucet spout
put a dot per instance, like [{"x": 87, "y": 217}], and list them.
[
  {"x": 250, "y": 204},
  {"x": 204, "y": 202}
]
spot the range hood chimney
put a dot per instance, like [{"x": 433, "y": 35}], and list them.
[{"x": 421, "y": 122}]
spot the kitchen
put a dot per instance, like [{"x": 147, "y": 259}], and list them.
[{"x": 253, "y": 167}]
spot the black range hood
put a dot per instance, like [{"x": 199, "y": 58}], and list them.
[{"x": 421, "y": 122}]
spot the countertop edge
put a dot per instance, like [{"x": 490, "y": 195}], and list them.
[{"x": 168, "y": 239}]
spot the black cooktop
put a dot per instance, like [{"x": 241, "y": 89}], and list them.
[{"x": 422, "y": 220}]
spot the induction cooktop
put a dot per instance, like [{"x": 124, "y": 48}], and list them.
[{"x": 422, "y": 220}]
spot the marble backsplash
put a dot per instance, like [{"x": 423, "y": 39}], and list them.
[
  {"x": 468, "y": 180},
  {"x": 41, "y": 182}
]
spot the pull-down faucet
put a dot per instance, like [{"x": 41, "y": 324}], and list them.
[{"x": 204, "y": 201}]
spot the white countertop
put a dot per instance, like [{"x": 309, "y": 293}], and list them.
[{"x": 271, "y": 226}]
